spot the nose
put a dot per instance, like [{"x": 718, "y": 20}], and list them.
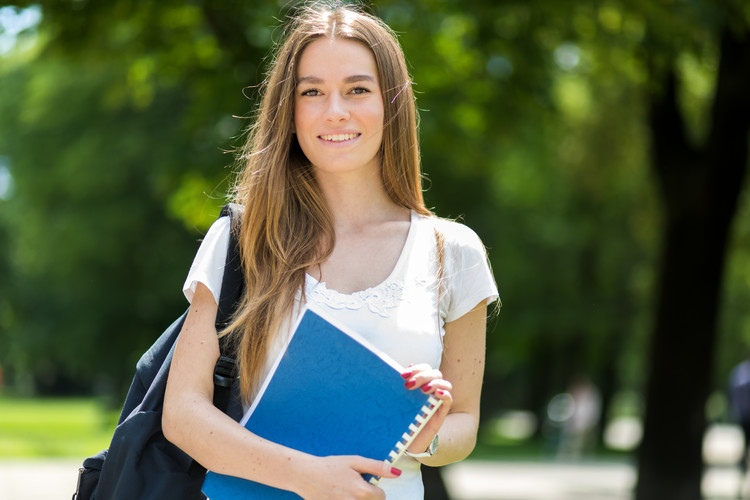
[{"x": 336, "y": 109}]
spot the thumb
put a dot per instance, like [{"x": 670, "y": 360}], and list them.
[{"x": 376, "y": 468}]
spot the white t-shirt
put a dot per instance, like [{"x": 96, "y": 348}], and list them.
[{"x": 399, "y": 315}]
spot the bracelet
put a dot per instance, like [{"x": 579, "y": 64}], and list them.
[{"x": 430, "y": 449}]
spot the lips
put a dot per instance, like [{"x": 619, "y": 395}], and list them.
[{"x": 338, "y": 137}]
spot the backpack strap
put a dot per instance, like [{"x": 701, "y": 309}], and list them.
[
  {"x": 232, "y": 285},
  {"x": 232, "y": 288}
]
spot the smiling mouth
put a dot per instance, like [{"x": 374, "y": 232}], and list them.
[{"x": 339, "y": 137}]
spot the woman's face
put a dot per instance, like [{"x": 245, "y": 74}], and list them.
[{"x": 338, "y": 107}]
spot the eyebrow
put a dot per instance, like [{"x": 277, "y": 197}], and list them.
[{"x": 349, "y": 79}]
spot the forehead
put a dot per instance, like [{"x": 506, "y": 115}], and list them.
[{"x": 334, "y": 59}]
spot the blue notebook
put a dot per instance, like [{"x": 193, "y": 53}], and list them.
[{"x": 330, "y": 393}]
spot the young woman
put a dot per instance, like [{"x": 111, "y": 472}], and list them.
[{"x": 334, "y": 216}]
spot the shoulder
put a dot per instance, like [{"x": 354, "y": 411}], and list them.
[
  {"x": 218, "y": 228},
  {"x": 208, "y": 264},
  {"x": 455, "y": 234},
  {"x": 468, "y": 276}
]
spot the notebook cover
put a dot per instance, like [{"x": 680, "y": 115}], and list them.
[{"x": 330, "y": 393}]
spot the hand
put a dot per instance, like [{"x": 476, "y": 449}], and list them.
[
  {"x": 430, "y": 381},
  {"x": 340, "y": 478}
]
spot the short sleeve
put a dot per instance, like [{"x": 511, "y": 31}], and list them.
[
  {"x": 467, "y": 272},
  {"x": 208, "y": 265}
]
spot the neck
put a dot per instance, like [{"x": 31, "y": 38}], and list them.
[{"x": 357, "y": 200}]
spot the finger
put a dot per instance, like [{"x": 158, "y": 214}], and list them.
[
  {"x": 433, "y": 386},
  {"x": 422, "y": 373},
  {"x": 446, "y": 400},
  {"x": 376, "y": 468},
  {"x": 419, "y": 379},
  {"x": 414, "y": 369}
]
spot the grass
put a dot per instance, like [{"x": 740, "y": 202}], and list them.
[
  {"x": 53, "y": 427},
  {"x": 80, "y": 427}
]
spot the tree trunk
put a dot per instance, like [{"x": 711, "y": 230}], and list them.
[{"x": 699, "y": 190}]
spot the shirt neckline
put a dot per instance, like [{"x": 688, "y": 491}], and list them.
[{"x": 312, "y": 283}]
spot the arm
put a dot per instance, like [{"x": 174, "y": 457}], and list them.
[
  {"x": 194, "y": 424},
  {"x": 459, "y": 384}
]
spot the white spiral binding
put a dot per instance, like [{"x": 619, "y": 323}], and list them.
[{"x": 425, "y": 414}]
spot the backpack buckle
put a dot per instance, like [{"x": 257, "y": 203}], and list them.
[{"x": 225, "y": 371}]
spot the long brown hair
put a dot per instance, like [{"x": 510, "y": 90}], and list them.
[{"x": 286, "y": 226}]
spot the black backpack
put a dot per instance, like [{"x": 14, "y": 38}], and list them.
[{"x": 140, "y": 463}]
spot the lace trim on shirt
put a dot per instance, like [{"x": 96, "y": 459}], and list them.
[{"x": 378, "y": 299}]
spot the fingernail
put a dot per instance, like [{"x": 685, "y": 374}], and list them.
[
  {"x": 440, "y": 391},
  {"x": 410, "y": 384},
  {"x": 395, "y": 471},
  {"x": 407, "y": 374},
  {"x": 426, "y": 388}
]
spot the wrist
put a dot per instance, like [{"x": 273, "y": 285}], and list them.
[
  {"x": 430, "y": 451},
  {"x": 302, "y": 469}
]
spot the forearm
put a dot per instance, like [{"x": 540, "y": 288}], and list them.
[
  {"x": 457, "y": 438},
  {"x": 222, "y": 445},
  {"x": 459, "y": 385}
]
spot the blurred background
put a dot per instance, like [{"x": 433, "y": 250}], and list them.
[{"x": 599, "y": 149}]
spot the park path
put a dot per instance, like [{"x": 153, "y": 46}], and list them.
[{"x": 54, "y": 479}]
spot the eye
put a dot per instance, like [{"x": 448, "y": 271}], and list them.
[
  {"x": 360, "y": 90},
  {"x": 310, "y": 92}
]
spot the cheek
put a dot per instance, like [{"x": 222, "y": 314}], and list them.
[
  {"x": 378, "y": 120},
  {"x": 295, "y": 120},
  {"x": 301, "y": 117},
  {"x": 304, "y": 119},
  {"x": 378, "y": 116},
  {"x": 301, "y": 128}
]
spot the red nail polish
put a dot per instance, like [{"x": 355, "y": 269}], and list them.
[
  {"x": 426, "y": 387},
  {"x": 407, "y": 374},
  {"x": 395, "y": 471},
  {"x": 440, "y": 392},
  {"x": 410, "y": 384}
]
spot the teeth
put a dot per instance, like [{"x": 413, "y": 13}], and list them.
[{"x": 338, "y": 137}]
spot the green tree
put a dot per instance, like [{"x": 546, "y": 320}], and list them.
[{"x": 113, "y": 138}]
